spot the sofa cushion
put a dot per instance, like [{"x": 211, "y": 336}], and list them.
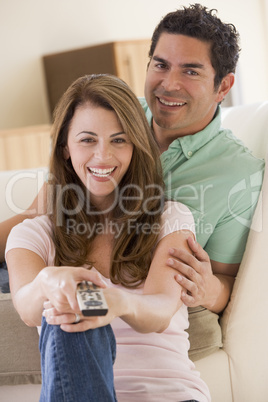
[
  {"x": 20, "y": 358},
  {"x": 215, "y": 372},
  {"x": 249, "y": 123}
]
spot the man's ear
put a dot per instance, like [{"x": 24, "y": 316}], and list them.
[
  {"x": 66, "y": 152},
  {"x": 225, "y": 86}
]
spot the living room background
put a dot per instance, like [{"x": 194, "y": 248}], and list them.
[{"x": 31, "y": 29}]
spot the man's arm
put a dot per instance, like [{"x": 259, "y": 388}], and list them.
[
  {"x": 5, "y": 228},
  {"x": 38, "y": 207},
  {"x": 207, "y": 283}
]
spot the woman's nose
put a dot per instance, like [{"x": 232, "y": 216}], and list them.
[{"x": 103, "y": 151}]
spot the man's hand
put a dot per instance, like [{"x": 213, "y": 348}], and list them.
[{"x": 200, "y": 285}]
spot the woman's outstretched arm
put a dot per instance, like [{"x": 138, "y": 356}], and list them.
[
  {"x": 150, "y": 311},
  {"x": 32, "y": 283},
  {"x": 161, "y": 297}
]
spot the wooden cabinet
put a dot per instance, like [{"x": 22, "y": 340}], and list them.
[
  {"x": 25, "y": 148},
  {"x": 125, "y": 59}
]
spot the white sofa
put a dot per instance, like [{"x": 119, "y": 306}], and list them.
[{"x": 239, "y": 371}]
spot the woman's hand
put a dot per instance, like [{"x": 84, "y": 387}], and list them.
[
  {"x": 32, "y": 283},
  {"x": 67, "y": 319},
  {"x": 59, "y": 286}
]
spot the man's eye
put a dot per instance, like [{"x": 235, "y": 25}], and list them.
[
  {"x": 191, "y": 72},
  {"x": 161, "y": 66}
]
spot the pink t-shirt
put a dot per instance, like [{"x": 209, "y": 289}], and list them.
[{"x": 149, "y": 367}]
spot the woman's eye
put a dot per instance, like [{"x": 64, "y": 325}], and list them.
[
  {"x": 87, "y": 140},
  {"x": 119, "y": 140}
]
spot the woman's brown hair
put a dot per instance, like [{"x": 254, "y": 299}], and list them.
[{"x": 136, "y": 214}]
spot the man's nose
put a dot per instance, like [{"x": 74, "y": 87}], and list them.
[{"x": 172, "y": 81}]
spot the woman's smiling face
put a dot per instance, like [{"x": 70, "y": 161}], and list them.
[{"x": 100, "y": 151}]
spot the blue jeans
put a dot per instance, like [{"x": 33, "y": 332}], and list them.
[{"x": 77, "y": 367}]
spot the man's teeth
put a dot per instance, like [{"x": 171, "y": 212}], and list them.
[
  {"x": 101, "y": 172},
  {"x": 171, "y": 103}
]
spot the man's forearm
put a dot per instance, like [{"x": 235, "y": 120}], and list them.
[
  {"x": 5, "y": 228},
  {"x": 38, "y": 207}
]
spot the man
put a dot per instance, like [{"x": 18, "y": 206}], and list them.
[{"x": 193, "y": 57}]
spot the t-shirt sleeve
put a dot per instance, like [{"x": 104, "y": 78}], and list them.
[
  {"x": 34, "y": 235},
  {"x": 176, "y": 216}
]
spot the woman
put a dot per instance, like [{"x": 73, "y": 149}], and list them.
[{"x": 107, "y": 224}]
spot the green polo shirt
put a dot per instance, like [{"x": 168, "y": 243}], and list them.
[{"x": 217, "y": 177}]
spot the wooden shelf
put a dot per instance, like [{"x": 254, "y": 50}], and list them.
[{"x": 126, "y": 59}]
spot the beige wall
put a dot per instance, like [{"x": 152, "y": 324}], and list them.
[{"x": 31, "y": 28}]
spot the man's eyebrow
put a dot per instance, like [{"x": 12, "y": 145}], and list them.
[
  {"x": 160, "y": 59},
  {"x": 192, "y": 65},
  {"x": 183, "y": 65}
]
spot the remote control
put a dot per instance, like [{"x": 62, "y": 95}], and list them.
[{"x": 91, "y": 299}]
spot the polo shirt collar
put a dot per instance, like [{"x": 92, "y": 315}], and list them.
[{"x": 190, "y": 144}]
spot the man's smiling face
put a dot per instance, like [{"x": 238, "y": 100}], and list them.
[{"x": 179, "y": 86}]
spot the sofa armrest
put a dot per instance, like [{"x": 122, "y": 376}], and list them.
[
  {"x": 244, "y": 322},
  {"x": 18, "y": 190}
]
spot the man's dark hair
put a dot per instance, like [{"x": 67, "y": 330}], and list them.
[{"x": 203, "y": 24}]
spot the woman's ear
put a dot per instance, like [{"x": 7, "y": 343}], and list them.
[
  {"x": 225, "y": 86},
  {"x": 66, "y": 152}
]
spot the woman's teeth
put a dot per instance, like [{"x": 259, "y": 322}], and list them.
[{"x": 101, "y": 172}]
